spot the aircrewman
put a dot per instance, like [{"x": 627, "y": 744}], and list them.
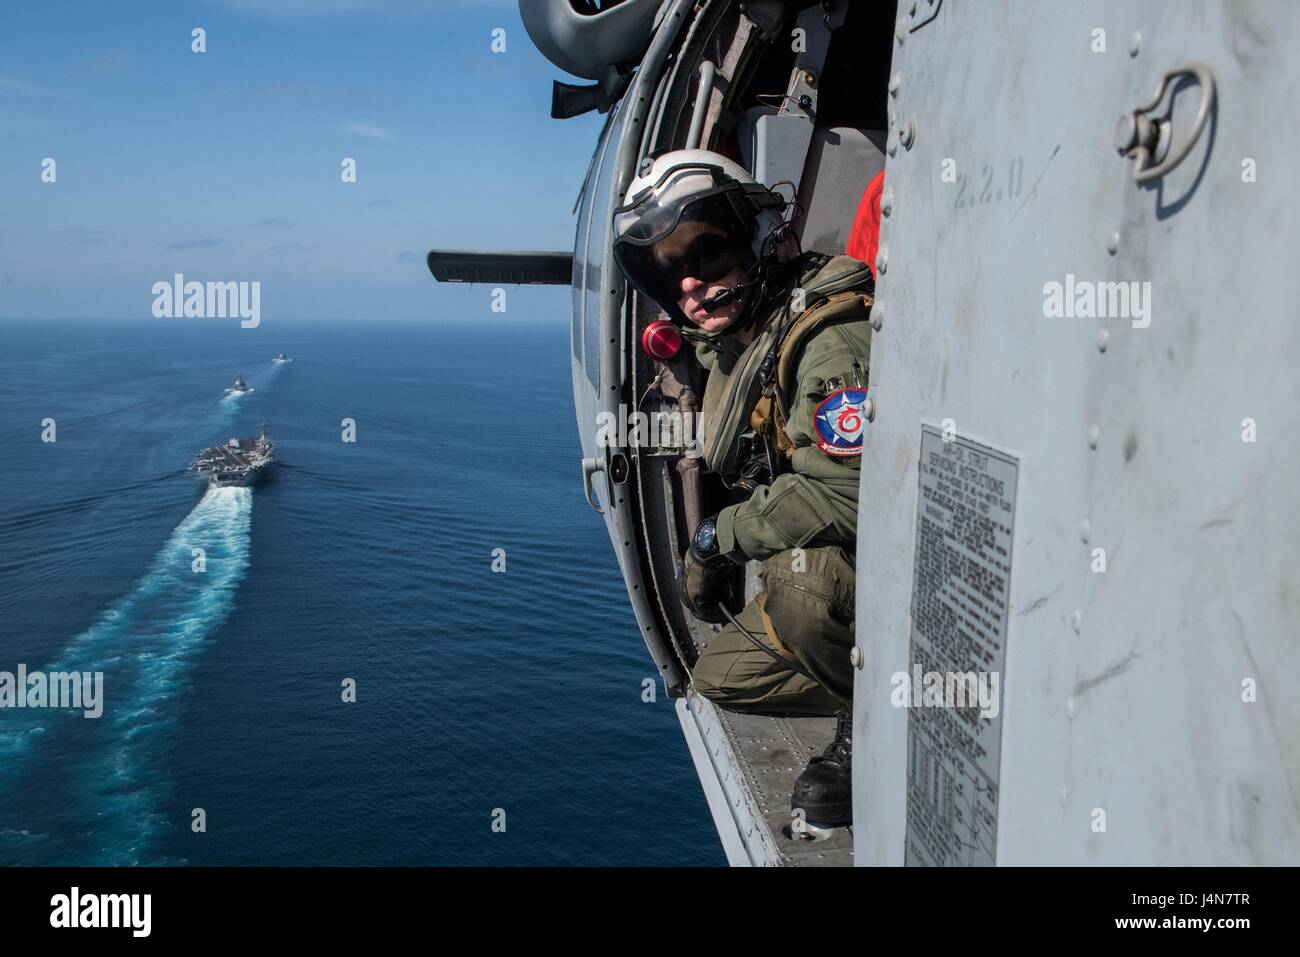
[{"x": 786, "y": 341}]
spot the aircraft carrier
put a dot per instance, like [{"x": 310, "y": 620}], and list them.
[{"x": 238, "y": 462}]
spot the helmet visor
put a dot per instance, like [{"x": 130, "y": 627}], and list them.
[{"x": 659, "y": 246}]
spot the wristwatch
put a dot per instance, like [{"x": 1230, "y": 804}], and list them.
[{"x": 704, "y": 544}]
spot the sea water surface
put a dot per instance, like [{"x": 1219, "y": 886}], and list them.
[{"x": 481, "y": 696}]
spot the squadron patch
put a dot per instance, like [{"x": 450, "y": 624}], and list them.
[{"x": 839, "y": 421}]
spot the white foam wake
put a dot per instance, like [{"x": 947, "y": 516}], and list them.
[{"x": 146, "y": 645}]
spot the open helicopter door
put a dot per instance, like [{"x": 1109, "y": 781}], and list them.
[{"x": 1080, "y": 477}]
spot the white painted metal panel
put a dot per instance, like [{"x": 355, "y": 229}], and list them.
[
  {"x": 1123, "y": 689},
  {"x": 745, "y": 837}
]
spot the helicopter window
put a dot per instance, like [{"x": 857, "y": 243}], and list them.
[
  {"x": 594, "y": 294},
  {"x": 584, "y": 268},
  {"x": 582, "y": 206},
  {"x": 579, "y": 271}
]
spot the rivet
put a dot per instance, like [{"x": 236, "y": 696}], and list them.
[
  {"x": 877, "y": 317},
  {"x": 882, "y": 260},
  {"x": 1112, "y": 242},
  {"x": 1094, "y": 436},
  {"x": 855, "y": 657},
  {"x": 869, "y": 408},
  {"x": 1076, "y": 620},
  {"x": 887, "y": 201},
  {"x": 1069, "y": 708},
  {"x": 896, "y": 83},
  {"x": 900, "y": 30},
  {"x": 1103, "y": 337},
  {"x": 891, "y": 143},
  {"x": 1135, "y": 43},
  {"x": 1085, "y": 529},
  {"x": 907, "y": 135}
]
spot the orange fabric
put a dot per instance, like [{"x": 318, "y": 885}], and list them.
[{"x": 864, "y": 237}]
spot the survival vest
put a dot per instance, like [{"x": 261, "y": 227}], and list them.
[{"x": 754, "y": 392}]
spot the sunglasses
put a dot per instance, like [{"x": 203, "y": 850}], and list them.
[
  {"x": 708, "y": 257},
  {"x": 660, "y": 246}
]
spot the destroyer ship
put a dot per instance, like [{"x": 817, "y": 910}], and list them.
[
  {"x": 238, "y": 462},
  {"x": 240, "y": 387}
]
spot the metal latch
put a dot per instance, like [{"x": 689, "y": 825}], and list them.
[
  {"x": 1145, "y": 139},
  {"x": 593, "y": 464},
  {"x": 616, "y": 469}
]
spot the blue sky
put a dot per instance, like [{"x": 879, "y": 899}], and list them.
[{"x": 225, "y": 165}]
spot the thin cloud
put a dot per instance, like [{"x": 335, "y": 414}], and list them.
[
  {"x": 13, "y": 121},
  {"x": 275, "y": 221},
  {"x": 110, "y": 62},
  {"x": 290, "y": 9},
  {"x": 293, "y": 8},
  {"x": 292, "y": 248},
  {"x": 9, "y": 84},
  {"x": 330, "y": 99},
  {"x": 365, "y": 129},
  {"x": 196, "y": 244},
  {"x": 82, "y": 234}
]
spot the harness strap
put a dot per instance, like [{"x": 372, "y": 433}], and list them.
[{"x": 771, "y": 411}]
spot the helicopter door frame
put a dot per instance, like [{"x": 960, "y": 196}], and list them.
[{"x": 610, "y": 297}]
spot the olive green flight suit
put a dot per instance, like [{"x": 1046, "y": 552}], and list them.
[{"x": 803, "y": 525}]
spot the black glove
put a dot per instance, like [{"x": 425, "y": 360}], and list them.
[{"x": 708, "y": 580}]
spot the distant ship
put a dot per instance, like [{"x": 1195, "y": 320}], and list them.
[
  {"x": 240, "y": 387},
  {"x": 238, "y": 462},
  {"x": 282, "y": 358}
]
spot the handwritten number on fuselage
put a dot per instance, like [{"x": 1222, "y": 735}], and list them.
[{"x": 987, "y": 176}]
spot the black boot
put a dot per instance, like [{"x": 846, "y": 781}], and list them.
[{"x": 825, "y": 789}]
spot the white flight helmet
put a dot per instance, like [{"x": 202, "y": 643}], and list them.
[{"x": 695, "y": 213}]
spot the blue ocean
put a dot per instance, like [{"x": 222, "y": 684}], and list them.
[{"x": 482, "y": 697}]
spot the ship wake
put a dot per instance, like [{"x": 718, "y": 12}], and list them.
[{"x": 111, "y": 771}]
